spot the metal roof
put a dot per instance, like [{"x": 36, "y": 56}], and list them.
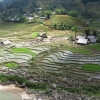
[
  {"x": 82, "y": 41},
  {"x": 93, "y": 40},
  {"x": 80, "y": 37},
  {"x": 6, "y": 42},
  {"x": 90, "y": 37}
]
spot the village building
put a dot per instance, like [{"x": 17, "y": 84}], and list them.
[
  {"x": 29, "y": 18},
  {"x": 92, "y": 39},
  {"x": 80, "y": 37},
  {"x": 40, "y": 8},
  {"x": 44, "y": 18},
  {"x": 36, "y": 16},
  {"x": 85, "y": 39},
  {"x": 53, "y": 13},
  {"x": 82, "y": 41},
  {"x": 5, "y": 42},
  {"x": 15, "y": 18}
]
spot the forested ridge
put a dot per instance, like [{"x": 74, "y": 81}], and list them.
[{"x": 85, "y": 8}]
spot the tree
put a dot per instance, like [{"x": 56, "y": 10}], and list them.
[
  {"x": 75, "y": 29},
  {"x": 62, "y": 24},
  {"x": 98, "y": 39},
  {"x": 87, "y": 32},
  {"x": 73, "y": 13},
  {"x": 71, "y": 38},
  {"x": 60, "y": 11},
  {"x": 22, "y": 19},
  {"x": 3, "y": 18},
  {"x": 21, "y": 11},
  {"x": 55, "y": 26},
  {"x": 65, "y": 27},
  {"x": 48, "y": 14},
  {"x": 95, "y": 33},
  {"x": 47, "y": 7}
]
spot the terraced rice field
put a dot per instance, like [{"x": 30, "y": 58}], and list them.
[
  {"x": 63, "y": 67},
  {"x": 57, "y": 62},
  {"x": 60, "y": 61}
]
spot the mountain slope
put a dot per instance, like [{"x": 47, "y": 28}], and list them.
[
  {"x": 65, "y": 19},
  {"x": 83, "y": 7}
]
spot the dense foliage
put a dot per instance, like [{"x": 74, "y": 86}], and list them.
[
  {"x": 21, "y": 80},
  {"x": 72, "y": 7}
]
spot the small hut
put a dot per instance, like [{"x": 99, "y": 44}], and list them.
[{"x": 5, "y": 42}]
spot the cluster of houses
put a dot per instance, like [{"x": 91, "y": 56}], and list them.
[
  {"x": 44, "y": 38},
  {"x": 31, "y": 17},
  {"x": 85, "y": 39},
  {"x": 16, "y": 18}
]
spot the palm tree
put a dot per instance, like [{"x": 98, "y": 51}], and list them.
[{"x": 75, "y": 29}]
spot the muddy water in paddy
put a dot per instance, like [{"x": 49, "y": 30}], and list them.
[{"x": 8, "y": 96}]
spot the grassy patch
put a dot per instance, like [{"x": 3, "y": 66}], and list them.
[
  {"x": 68, "y": 20},
  {"x": 77, "y": 49},
  {"x": 20, "y": 30},
  {"x": 96, "y": 25},
  {"x": 91, "y": 67},
  {"x": 23, "y": 50},
  {"x": 21, "y": 80},
  {"x": 92, "y": 90},
  {"x": 34, "y": 35},
  {"x": 94, "y": 47},
  {"x": 72, "y": 90},
  {"x": 11, "y": 64},
  {"x": 82, "y": 51}
]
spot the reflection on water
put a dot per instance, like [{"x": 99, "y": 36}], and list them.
[{"x": 8, "y": 96}]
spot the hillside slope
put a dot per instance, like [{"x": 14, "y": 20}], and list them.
[
  {"x": 83, "y": 7},
  {"x": 68, "y": 20}
]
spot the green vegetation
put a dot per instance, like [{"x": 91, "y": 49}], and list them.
[
  {"x": 91, "y": 67},
  {"x": 94, "y": 47},
  {"x": 21, "y": 80},
  {"x": 23, "y": 19},
  {"x": 73, "y": 13},
  {"x": 80, "y": 50},
  {"x": 77, "y": 49},
  {"x": 35, "y": 34},
  {"x": 72, "y": 90},
  {"x": 90, "y": 90},
  {"x": 86, "y": 8},
  {"x": 11, "y": 64},
  {"x": 21, "y": 30},
  {"x": 65, "y": 19},
  {"x": 68, "y": 23},
  {"x": 22, "y": 50},
  {"x": 61, "y": 11},
  {"x": 95, "y": 24}
]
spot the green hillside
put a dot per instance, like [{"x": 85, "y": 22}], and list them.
[
  {"x": 68, "y": 20},
  {"x": 86, "y": 8}
]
